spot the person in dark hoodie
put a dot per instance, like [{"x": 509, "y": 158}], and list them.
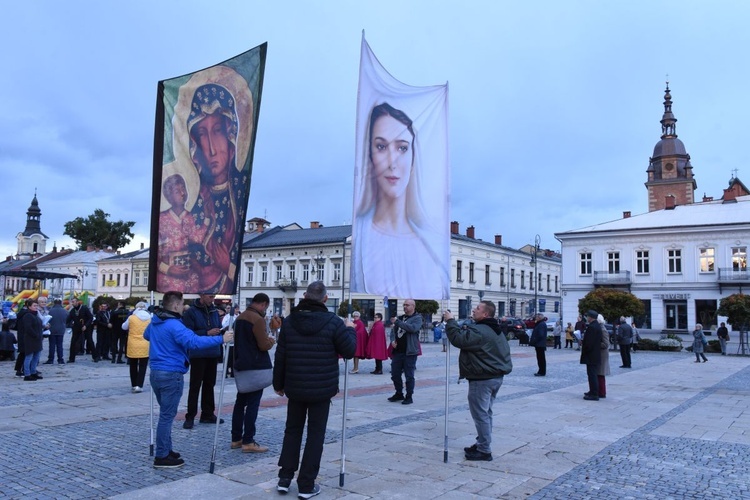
[
  {"x": 484, "y": 361},
  {"x": 306, "y": 371},
  {"x": 169, "y": 343}
]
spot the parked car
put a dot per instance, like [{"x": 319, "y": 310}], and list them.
[
  {"x": 514, "y": 326},
  {"x": 551, "y": 320}
]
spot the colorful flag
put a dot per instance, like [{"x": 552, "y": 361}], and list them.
[
  {"x": 206, "y": 124},
  {"x": 400, "y": 226}
]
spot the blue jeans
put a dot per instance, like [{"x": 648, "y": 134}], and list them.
[
  {"x": 55, "y": 344},
  {"x": 723, "y": 344},
  {"x": 244, "y": 416},
  {"x": 29, "y": 363},
  {"x": 167, "y": 387},
  {"x": 401, "y": 363},
  {"x": 481, "y": 396}
]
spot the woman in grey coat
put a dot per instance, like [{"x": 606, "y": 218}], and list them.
[
  {"x": 604, "y": 364},
  {"x": 698, "y": 340}
]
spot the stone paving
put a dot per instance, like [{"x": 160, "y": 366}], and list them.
[{"x": 669, "y": 428}]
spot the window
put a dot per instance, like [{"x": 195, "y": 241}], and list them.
[
  {"x": 137, "y": 278},
  {"x": 110, "y": 277},
  {"x": 512, "y": 282},
  {"x": 706, "y": 258},
  {"x": 263, "y": 274},
  {"x": 585, "y": 259},
  {"x": 674, "y": 261},
  {"x": 641, "y": 261},
  {"x": 278, "y": 272},
  {"x": 104, "y": 279},
  {"x": 118, "y": 279},
  {"x": 557, "y": 306},
  {"x": 613, "y": 262},
  {"x": 471, "y": 272},
  {"x": 463, "y": 309},
  {"x": 145, "y": 277},
  {"x": 366, "y": 308},
  {"x": 251, "y": 274},
  {"x": 501, "y": 308},
  {"x": 337, "y": 274},
  {"x": 487, "y": 275},
  {"x": 549, "y": 289},
  {"x": 126, "y": 279},
  {"x": 502, "y": 277},
  {"x": 292, "y": 272},
  {"x": 459, "y": 264},
  {"x": 321, "y": 270},
  {"x": 523, "y": 279},
  {"x": 305, "y": 272},
  {"x": 557, "y": 285},
  {"x": 539, "y": 282},
  {"x": 739, "y": 258},
  {"x": 531, "y": 280}
]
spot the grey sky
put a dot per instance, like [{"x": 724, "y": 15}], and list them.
[{"x": 554, "y": 106}]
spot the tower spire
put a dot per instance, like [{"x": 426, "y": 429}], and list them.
[{"x": 668, "y": 121}]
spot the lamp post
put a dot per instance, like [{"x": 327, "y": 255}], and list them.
[
  {"x": 535, "y": 281},
  {"x": 319, "y": 261},
  {"x": 81, "y": 274}
]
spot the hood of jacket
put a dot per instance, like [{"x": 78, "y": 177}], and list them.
[
  {"x": 162, "y": 315},
  {"x": 492, "y": 323},
  {"x": 306, "y": 318}
]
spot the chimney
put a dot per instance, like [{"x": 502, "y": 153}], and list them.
[
  {"x": 498, "y": 239},
  {"x": 707, "y": 198},
  {"x": 454, "y": 227},
  {"x": 470, "y": 232},
  {"x": 141, "y": 245},
  {"x": 669, "y": 202},
  {"x": 314, "y": 224},
  {"x": 626, "y": 214}
]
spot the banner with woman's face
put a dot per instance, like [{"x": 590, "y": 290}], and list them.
[
  {"x": 400, "y": 227},
  {"x": 203, "y": 151}
]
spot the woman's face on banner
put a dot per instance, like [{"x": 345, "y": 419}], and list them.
[
  {"x": 391, "y": 156},
  {"x": 213, "y": 143}
]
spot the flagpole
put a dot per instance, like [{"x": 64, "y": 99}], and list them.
[
  {"x": 447, "y": 375},
  {"x": 221, "y": 401},
  {"x": 342, "y": 472},
  {"x": 151, "y": 397}
]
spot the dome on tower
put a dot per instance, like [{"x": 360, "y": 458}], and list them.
[{"x": 669, "y": 146}]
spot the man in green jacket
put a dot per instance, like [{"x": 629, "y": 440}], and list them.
[{"x": 484, "y": 360}]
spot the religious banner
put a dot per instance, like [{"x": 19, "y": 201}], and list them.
[
  {"x": 204, "y": 141},
  {"x": 400, "y": 223}
]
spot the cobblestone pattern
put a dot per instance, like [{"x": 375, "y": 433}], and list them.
[{"x": 646, "y": 466}]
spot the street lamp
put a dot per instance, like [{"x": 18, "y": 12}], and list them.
[
  {"x": 535, "y": 281},
  {"x": 81, "y": 274},
  {"x": 319, "y": 261}
]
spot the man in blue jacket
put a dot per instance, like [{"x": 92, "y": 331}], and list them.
[
  {"x": 306, "y": 370},
  {"x": 169, "y": 343}
]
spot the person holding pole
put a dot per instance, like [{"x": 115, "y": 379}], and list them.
[
  {"x": 169, "y": 343},
  {"x": 484, "y": 361},
  {"x": 306, "y": 371}
]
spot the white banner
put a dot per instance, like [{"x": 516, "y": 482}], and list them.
[{"x": 400, "y": 226}]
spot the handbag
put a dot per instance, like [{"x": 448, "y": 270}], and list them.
[{"x": 253, "y": 380}]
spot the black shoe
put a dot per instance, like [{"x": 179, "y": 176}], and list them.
[
  {"x": 210, "y": 420},
  {"x": 478, "y": 455},
  {"x": 60, "y": 361},
  {"x": 95, "y": 360},
  {"x": 309, "y": 494},
  {"x": 407, "y": 400},
  {"x": 107, "y": 358},
  {"x": 20, "y": 373},
  {"x": 396, "y": 397},
  {"x": 71, "y": 361},
  {"x": 591, "y": 398},
  {"x": 48, "y": 362},
  {"x": 30, "y": 378},
  {"x": 471, "y": 448},
  {"x": 540, "y": 374},
  {"x": 188, "y": 423},
  {"x": 168, "y": 462},
  {"x": 37, "y": 376},
  {"x": 283, "y": 486},
  {"x": 113, "y": 360},
  {"x": 174, "y": 454},
  {"x": 603, "y": 397}
]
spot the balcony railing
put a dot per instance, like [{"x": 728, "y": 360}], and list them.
[
  {"x": 731, "y": 275},
  {"x": 612, "y": 278},
  {"x": 286, "y": 285}
]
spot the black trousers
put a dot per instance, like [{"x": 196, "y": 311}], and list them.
[
  {"x": 137, "y": 371},
  {"x": 625, "y": 354},
  {"x": 118, "y": 343},
  {"x": 592, "y": 372},
  {"x": 76, "y": 342},
  {"x": 317, "y": 418},
  {"x": 541, "y": 360},
  {"x": 103, "y": 342},
  {"x": 202, "y": 381},
  {"x": 90, "y": 345},
  {"x": 19, "y": 361}
]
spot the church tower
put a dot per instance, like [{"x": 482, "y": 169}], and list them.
[
  {"x": 32, "y": 241},
  {"x": 670, "y": 174}
]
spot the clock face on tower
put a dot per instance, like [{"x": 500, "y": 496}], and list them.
[{"x": 668, "y": 167}]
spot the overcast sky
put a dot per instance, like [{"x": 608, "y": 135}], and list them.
[{"x": 554, "y": 105}]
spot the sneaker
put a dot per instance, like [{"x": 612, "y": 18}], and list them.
[
  {"x": 19, "y": 374},
  {"x": 478, "y": 455},
  {"x": 188, "y": 423},
  {"x": 37, "y": 376},
  {"x": 30, "y": 378},
  {"x": 310, "y": 494},
  {"x": 168, "y": 462},
  {"x": 60, "y": 362},
  {"x": 48, "y": 362},
  {"x": 283, "y": 486},
  {"x": 470, "y": 449},
  {"x": 211, "y": 419},
  {"x": 174, "y": 454},
  {"x": 254, "y": 448},
  {"x": 407, "y": 400},
  {"x": 235, "y": 445},
  {"x": 396, "y": 397},
  {"x": 137, "y": 389}
]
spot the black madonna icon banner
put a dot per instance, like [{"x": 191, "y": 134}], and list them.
[{"x": 204, "y": 140}]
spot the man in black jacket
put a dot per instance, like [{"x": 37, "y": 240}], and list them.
[
  {"x": 624, "y": 338},
  {"x": 306, "y": 370},
  {"x": 79, "y": 320},
  {"x": 591, "y": 354},
  {"x": 484, "y": 360},
  {"x": 539, "y": 341}
]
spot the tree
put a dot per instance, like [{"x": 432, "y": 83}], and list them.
[
  {"x": 96, "y": 230},
  {"x": 611, "y": 303},
  {"x": 426, "y": 306},
  {"x": 343, "y": 310},
  {"x": 736, "y": 308}
]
